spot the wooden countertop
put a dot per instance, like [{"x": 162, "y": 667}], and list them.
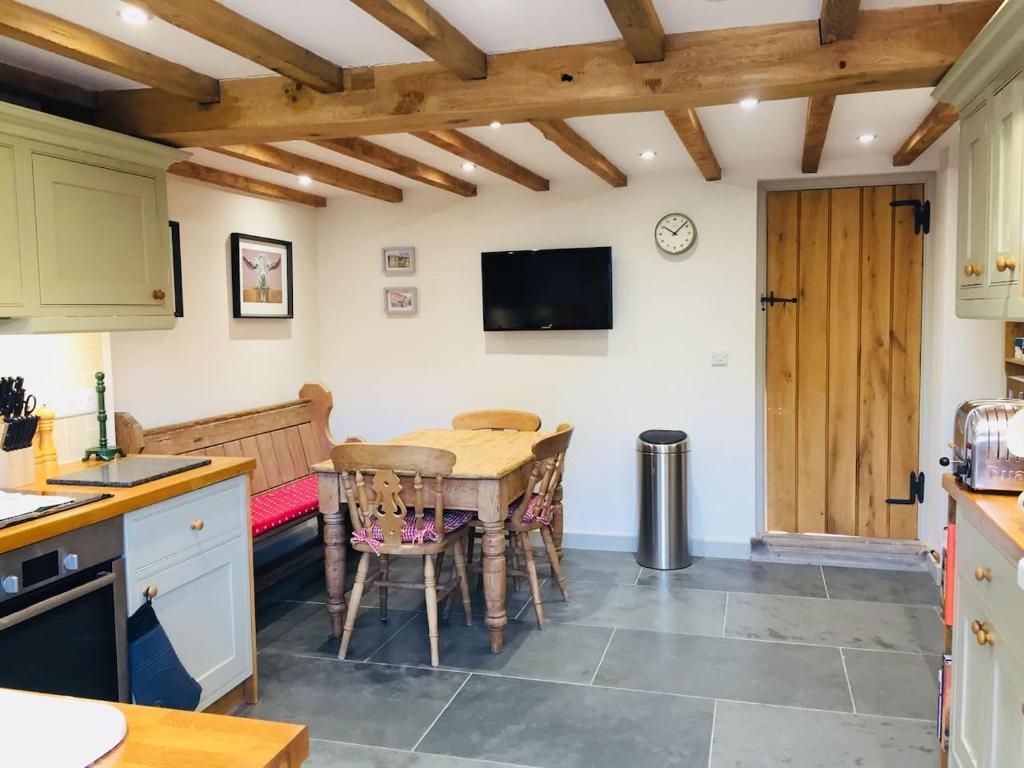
[
  {"x": 995, "y": 514},
  {"x": 122, "y": 501}
]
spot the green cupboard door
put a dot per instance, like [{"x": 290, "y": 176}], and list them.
[
  {"x": 98, "y": 237},
  {"x": 10, "y": 240}
]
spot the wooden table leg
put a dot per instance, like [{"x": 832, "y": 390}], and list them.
[
  {"x": 335, "y": 550},
  {"x": 493, "y": 549}
]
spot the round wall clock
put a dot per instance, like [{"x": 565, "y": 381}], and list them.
[{"x": 675, "y": 233}]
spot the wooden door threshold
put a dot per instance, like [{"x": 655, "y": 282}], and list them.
[{"x": 834, "y": 549}]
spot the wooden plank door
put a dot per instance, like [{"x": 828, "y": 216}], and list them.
[{"x": 843, "y": 364}]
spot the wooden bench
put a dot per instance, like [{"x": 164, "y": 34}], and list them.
[{"x": 285, "y": 439}]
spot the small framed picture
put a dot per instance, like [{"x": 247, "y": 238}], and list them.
[
  {"x": 400, "y": 301},
  {"x": 399, "y": 260},
  {"x": 261, "y": 276},
  {"x": 179, "y": 301}
]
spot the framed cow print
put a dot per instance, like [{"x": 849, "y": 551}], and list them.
[{"x": 261, "y": 276}]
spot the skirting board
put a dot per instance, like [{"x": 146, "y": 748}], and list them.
[{"x": 737, "y": 550}]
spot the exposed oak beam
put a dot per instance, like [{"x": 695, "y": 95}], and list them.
[
  {"x": 23, "y": 81},
  {"x": 641, "y": 28},
  {"x": 579, "y": 149},
  {"x": 44, "y": 30},
  {"x": 224, "y": 27},
  {"x": 895, "y": 48},
  {"x": 289, "y": 162},
  {"x": 421, "y": 25},
  {"x": 838, "y": 20},
  {"x": 819, "y": 113},
  {"x": 389, "y": 160},
  {"x": 691, "y": 133},
  {"x": 939, "y": 120},
  {"x": 467, "y": 148},
  {"x": 245, "y": 184}
]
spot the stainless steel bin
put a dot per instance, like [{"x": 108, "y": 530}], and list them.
[{"x": 661, "y": 465}]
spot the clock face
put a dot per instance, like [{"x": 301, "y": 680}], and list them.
[{"x": 675, "y": 233}]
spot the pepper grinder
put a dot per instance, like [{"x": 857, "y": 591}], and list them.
[
  {"x": 102, "y": 452},
  {"x": 45, "y": 452}
]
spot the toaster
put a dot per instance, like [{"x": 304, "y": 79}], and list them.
[{"x": 981, "y": 459}]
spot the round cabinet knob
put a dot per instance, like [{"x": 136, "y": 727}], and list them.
[
  {"x": 150, "y": 591},
  {"x": 975, "y": 626},
  {"x": 977, "y": 269},
  {"x": 1004, "y": 263},
  {"x": 984, "y": 634},
  {"x": 159, "y": 294},
  {"x": 10, "y": 585},
  {"x": 196, "y": 525},
  {"x": 968, "y": 269},
  {"x": 70, "y": 562},
  {"x": 982, "y": 574}
]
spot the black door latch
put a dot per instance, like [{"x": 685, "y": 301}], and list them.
[
  {"x": 771, "y": 300},
  {"x": 922, "y": 214},
  {"x": 916, "y": 494}
]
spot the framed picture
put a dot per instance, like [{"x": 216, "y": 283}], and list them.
[
  {"x": 400, "y": 301},
  {"x": 179, "y": 302},
  {"x": 399, "y": 260},
  {"x": 261, "y": 276}
]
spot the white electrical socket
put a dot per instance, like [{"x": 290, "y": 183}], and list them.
[{"x": 719, "y": 359}]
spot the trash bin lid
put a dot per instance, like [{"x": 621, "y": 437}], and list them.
[{"x": 663, "y": 441}]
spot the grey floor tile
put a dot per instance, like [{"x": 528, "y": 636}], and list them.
[
  {"x": 758, "y": 736},
  {"x": 596, "y": 565},
  {"x": 563, "y": 652},
  {"x": 306, "y": 584},
  {"x": 694, "y": 611},
  {"x": 893, "y": 684},
  {"x": 846, "y": 623},
  {"x": 345, "y": 701},
  {"x": 276, "y": 617},
  {"x": 742, "y": 576},
  {"x": 329, "y": 754},
  {"x": 715, "y": 667},
  {"x": 877, "y": 586},
  {"x": 571, "y": 726}
]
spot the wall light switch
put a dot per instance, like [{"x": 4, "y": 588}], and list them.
[{"x": 719, "y": 359}]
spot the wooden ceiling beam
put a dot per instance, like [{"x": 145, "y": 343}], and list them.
[
  {"x": 289, "y": 162},
  {"x": 687, "y": 124},
  {"x": 224, "y": 27},
  {"x": 421, "y": 25},
  {"x": 895, "y": 48},
  {"x": 389, "y": 160},
  {"x": 641, "y": 28},
  {"x": 579, "y": 149},
  {"x": 52, "y": 33},
  {"x": 942, "y": 117},
  {"x": 819, "y": 114},
  {"x": 461, "y": 145},
  {"x": 838, "y": 20},
  {"x": 245, "y": 184},
  {"x": 23, "y": 81}
]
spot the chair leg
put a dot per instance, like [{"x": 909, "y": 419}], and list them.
[
  {"x": 556, "y": 562},
  {"x": 353, "y": 603},
  {"x": 385, "y": 572},
  {"x": 531, "y": 573},
  {"x": 430, "y": 584},
  {"x": 460, "y": 569}
]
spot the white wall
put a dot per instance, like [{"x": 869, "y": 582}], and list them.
[{"x": 211, "y": 363}]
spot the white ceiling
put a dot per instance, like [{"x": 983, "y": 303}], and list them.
[{"x": 768, "y": 137}]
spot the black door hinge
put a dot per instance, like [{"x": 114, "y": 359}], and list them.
[
  {"x": 922, "y": 214},
  {"x": 771, "y": 300},
  {"x": 916, "y": 493}
]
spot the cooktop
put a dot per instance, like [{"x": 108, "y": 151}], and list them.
[{"x": 130, "y": 471}]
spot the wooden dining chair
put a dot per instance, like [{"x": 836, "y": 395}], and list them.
[
  {"x": 380, "y": 483},
  {"x": 535, "y": 510},
  {"x": 497, "y": 419}
]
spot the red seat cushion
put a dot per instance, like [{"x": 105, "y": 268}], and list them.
[
  {"x": 410, "y": 535},
  {"x": 531, "y": 509},
  {"x": 287, "y": 502}
]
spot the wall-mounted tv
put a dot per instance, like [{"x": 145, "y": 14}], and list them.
[{"x": 558, "y": 289}]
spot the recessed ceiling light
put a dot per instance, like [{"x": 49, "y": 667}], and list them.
[
  {"x": 648, "y": 154},
  {"x": 750, "y": 102},
  {"x": 467, "y": 167},
  {"x": 305, "y": 180},
  {"x": 132, "y": 14},
  {"x": 495, "y": 125},
  {"x": 867, "y": 138}
]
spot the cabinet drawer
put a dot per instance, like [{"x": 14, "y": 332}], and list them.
[
  {"x": 190, "y": 522},
  {"x": 976, "y": 556}
]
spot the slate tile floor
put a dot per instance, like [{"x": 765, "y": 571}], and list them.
[{"x": 727, "y": 664}]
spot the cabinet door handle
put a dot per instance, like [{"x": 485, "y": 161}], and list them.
[
  {"x": 983, "y": 633},
  {"x": 982, "y": 574},
  {"x": 1004, "y": 263},
  {"x": 159, "y": 294},
  {"x": 150, "y": 591},
  {"x": 197, "y": 524}
]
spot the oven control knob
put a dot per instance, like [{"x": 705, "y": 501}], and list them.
[
  {"x": 10, "y": 585},
  {"x": 70, "y": 562}
]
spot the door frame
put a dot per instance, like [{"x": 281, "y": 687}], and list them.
[{"x": 930, "y": 181}]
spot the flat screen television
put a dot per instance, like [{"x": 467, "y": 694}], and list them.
[{"x": 558, "y": 289}]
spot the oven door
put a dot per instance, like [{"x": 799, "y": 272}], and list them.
[{"x": 69, "y": 638}]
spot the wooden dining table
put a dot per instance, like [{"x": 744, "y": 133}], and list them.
[{"x": 492, "y": 469}]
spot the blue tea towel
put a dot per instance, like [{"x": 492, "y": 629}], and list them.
[{"x": 158, "y": 678}]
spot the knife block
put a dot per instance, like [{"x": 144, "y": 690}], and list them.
[{"x": 17, "y": 468}]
